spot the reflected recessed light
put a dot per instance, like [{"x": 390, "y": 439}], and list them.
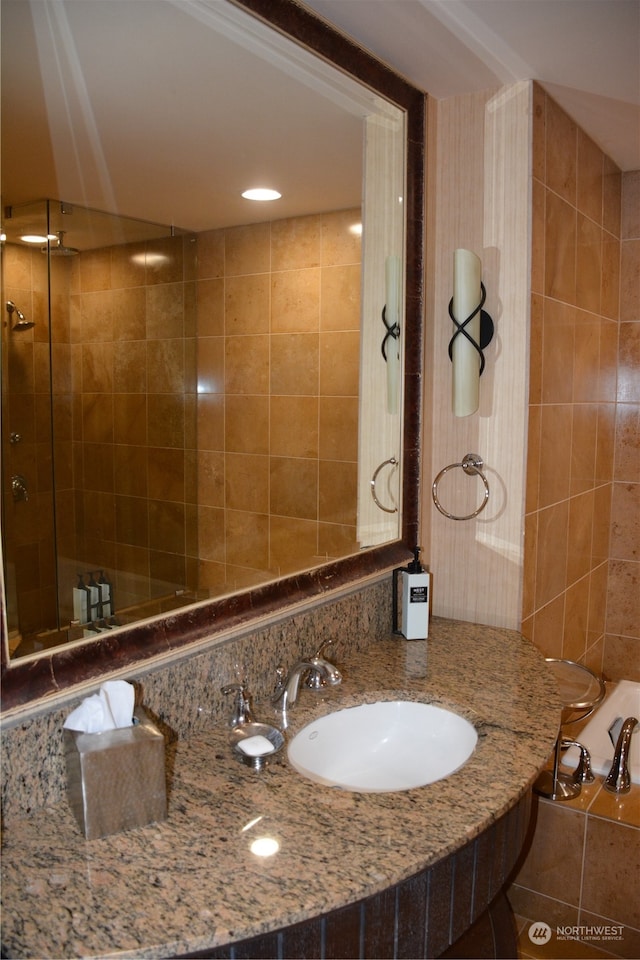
[
  {"x": 264, "y": 847},
  {"x": 149, "y": 259},
  {"x": 34, "y": 238},
  {"x": 261, "y": 193},
  {"x": 356, "y": 229}
]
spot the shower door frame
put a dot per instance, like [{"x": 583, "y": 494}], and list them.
[{"x": 29, "y": 512}]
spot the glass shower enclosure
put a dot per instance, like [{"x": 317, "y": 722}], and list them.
[{"x": 98, "y": 419}]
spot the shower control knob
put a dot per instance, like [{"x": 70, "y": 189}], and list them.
[{"x": 19, "y": 487}]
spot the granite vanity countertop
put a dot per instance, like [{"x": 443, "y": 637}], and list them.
[{"x": 192, "y": 882}]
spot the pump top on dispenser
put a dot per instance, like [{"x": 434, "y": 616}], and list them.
[{"x": 411, "y": 600}]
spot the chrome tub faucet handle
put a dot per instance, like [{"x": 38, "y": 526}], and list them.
[{"x": 583, "y": 772}]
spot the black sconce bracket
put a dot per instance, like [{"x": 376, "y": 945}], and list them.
[
  {"x": 486, "y": 328},
  {"x": 393, "y": 331}
]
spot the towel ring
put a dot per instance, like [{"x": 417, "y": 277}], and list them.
[
  {"x": 390, "y": 462},
  {"x": 472, "y": 464}
]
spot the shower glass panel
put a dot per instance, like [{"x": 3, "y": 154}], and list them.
[{"x": 98, "y": 421}]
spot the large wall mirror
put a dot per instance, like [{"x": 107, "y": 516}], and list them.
[{"x": 210, "y": 403}]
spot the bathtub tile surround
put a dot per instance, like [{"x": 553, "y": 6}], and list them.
[
  {"x": 622, "y": 647},
  {"x": 581, "y": 563},
  {"x": 623, "y": 809},
  {"x": 598, "y": 802},
  {"x": 588, "y": 873},
  {"x": 572, "y": 397},
  {"x": 192, "y": 882},
  {"x": 582, "y": 865},
  {"x": 582, "y": 523}
]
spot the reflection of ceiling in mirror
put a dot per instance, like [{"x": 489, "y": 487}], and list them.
[{"x": 146, "y": 109}]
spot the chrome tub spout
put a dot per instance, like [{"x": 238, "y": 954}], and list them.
[{"x": 618, "y": 779}]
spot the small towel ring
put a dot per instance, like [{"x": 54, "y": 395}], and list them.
[
  {"x": 472, "y": 464},
  {"x": 390, "y": 462}
]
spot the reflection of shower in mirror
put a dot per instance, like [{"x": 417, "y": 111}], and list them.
[
  {"x": 21, "y": 322},
  {"x": 132, "y": 366},
  {"x": 59, "y": 249}
]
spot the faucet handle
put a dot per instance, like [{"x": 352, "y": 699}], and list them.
[
  {"x": 316, "y": 679},
  {"x": 583, "y": 772},
  {"x": 319, "y": 652},
  {"x": 242, "y": 712},
  {"x": 281, "y": 679}
]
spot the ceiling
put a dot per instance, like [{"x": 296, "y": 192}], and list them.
[
  {"x": 163, "y": 111},
  {"x": 586, "y": 53},
  {"x": 166, "y": 110}
]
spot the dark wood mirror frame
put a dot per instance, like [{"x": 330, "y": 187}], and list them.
[{"x": 55, "y": 670}]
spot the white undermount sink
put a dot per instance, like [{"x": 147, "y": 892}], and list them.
[{"x": 383, "y": 747}]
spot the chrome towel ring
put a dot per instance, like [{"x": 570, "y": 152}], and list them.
[
  {"x": 390, "y": 462},
  {"x": 472, "y": 464}
]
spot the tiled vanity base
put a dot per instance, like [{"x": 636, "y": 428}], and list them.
[{"x": 459, "y": 900}]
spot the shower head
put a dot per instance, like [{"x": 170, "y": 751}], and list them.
[
  {"x": 21, "y": 322},
  {"x": 59, "y": 249}
]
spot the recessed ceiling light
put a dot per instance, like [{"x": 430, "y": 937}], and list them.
[
  {"x": 33, "y": 238},
  {"x": 261, "y": 193}
]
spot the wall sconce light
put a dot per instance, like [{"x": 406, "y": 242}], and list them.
[
  {"x": 391, "y": 320},
  {"x": 474, "y": 331}
]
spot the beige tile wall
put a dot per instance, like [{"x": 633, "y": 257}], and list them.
[
  {"x": 622, "y": 644},
  {"x": 581, "y": 870},
  {"x": 581, "y": 597},
  {"x": 132, "y": 327},
  {"x": 572, "y": 389},
  {"x": 278, "y": 313},
  {"x": 190, "y": 466}
]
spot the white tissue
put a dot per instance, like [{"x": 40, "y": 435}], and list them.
[
  {"x": 109, "y": 709},
  {"x": 256, "y": 746},
  {"x": 120, "y": 697}
]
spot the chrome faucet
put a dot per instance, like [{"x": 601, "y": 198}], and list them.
[
  {"x": 618, "y": 779},
  {"x": 286, "y": 694}
]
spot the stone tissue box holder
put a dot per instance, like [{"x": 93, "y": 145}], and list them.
[{"x": 116, "y": 779}]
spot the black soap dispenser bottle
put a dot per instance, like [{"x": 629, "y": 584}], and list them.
[{"x": 411, "y": 600}]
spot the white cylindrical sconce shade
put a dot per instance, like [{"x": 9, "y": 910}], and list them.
[{"x": 467, "y": 296}]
